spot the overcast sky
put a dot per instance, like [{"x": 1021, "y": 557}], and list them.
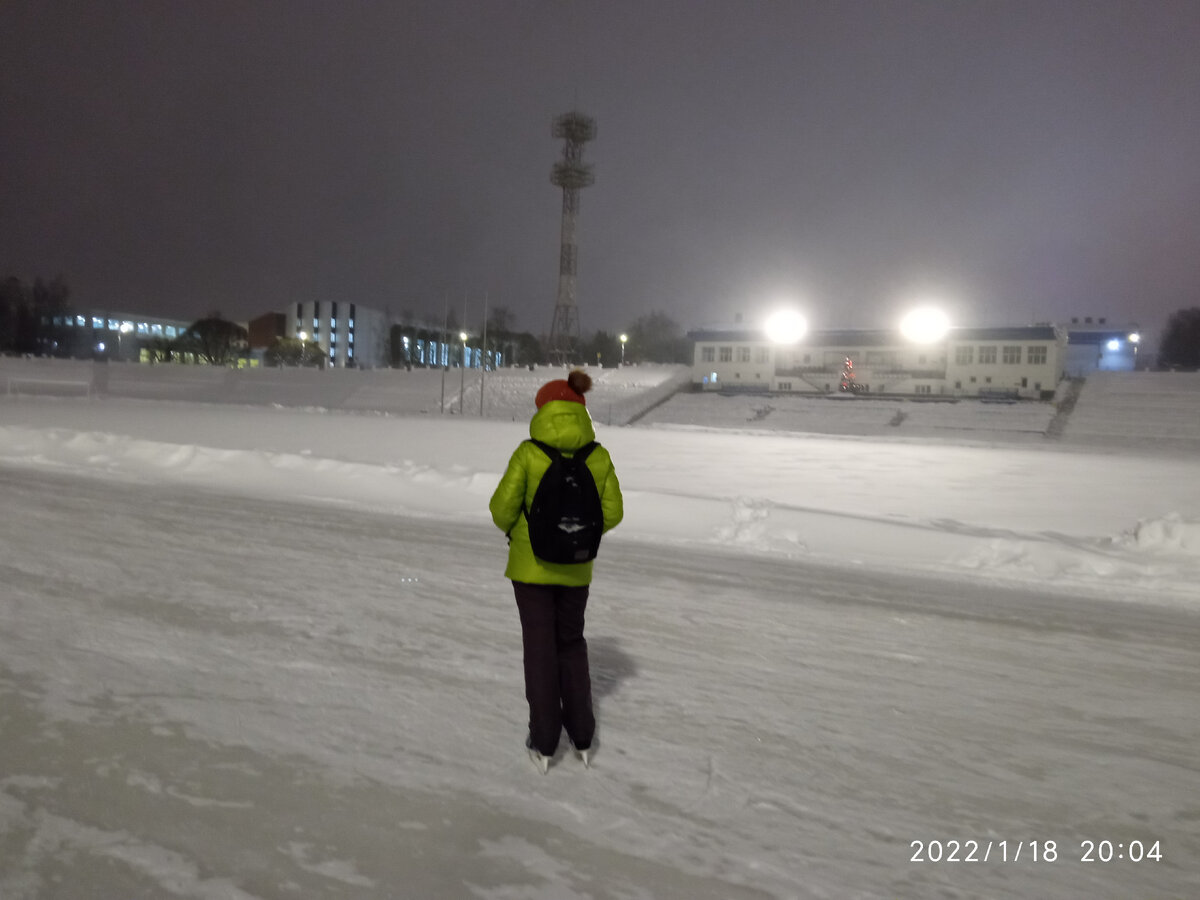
[{"x": 1021, "y": 161}]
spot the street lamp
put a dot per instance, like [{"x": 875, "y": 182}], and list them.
[
  {"x": 462, "y": 388},
  {"x": 624, "y": 338}
]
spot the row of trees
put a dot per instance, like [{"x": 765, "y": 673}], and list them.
[
  {"x": 23, "y": 310},
  {"x": 1180, "y": 344}
]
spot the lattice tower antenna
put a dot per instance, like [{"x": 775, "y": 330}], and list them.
[{"x": 571, "y": 174}]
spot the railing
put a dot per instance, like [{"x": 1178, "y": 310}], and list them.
[{"x": 44, "y": 386}]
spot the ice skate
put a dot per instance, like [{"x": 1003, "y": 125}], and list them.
[
  {"x": 542, "y": 762},
  {"x": 584, "y": 755}
]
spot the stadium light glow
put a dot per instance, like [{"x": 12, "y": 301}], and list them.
[
  {"x": 925, "y": 325},
  {"x": 786, "y": 326}
]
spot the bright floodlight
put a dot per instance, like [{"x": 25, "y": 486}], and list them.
[
  {"x": 925, "y": 325},
  {"x": 1134, "y": 338},
  {"x": 1114, "y": 344},
  {"x": 786, "y": 326}
]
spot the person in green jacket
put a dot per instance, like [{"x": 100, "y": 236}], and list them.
[{"x": 551, "y": 597}]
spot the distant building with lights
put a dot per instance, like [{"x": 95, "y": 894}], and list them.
[
  {"x": 988, "y": 363},
  {"x": 105, "y": 334},
  {"x": 1093, "y": 345},
  {"x": 350, "y": 334}
]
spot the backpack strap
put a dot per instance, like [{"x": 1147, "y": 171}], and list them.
[{"x": 554, "y": 453}]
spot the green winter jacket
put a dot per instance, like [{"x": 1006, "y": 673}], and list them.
[{"x": 567, "y": 426}]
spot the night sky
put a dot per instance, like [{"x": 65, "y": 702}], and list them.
[{"x": 1018, "y": 161}]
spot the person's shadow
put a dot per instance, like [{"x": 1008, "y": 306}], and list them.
[{"x": 609, "y": 665}]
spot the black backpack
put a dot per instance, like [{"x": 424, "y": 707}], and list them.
[{"x": 565, "y": 519}]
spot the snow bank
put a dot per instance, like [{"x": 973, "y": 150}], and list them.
[{"x": 1116, "y": 525}]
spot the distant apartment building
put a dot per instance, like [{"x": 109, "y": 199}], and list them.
[
  {"x": 350, "y": 334},
  {"x": 1016, "y": 362}
]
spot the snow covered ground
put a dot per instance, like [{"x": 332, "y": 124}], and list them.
[{"x": 253, "y": 651}]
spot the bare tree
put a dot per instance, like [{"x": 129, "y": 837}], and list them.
[{"x": 217, "y": 341}]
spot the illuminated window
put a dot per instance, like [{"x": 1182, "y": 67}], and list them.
[
  {"x": 97, "y": 322},
  {"x": 171, "y": 330}
]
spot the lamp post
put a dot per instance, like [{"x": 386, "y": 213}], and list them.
[
  {"x": 462, "y": 388},
  {"x": 624, "y": 338}
]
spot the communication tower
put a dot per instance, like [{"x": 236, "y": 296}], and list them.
[{"x": 571, "y": 174}]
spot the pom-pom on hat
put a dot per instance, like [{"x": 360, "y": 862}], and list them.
[{"x": 572, "y": 388}]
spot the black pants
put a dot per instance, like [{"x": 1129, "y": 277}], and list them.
[{"x": 558, "y": 684}]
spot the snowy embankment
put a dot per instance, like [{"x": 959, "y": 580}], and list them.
[{"x": 1088, "y": 521}]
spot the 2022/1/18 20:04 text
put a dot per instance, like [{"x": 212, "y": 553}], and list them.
[{"x": 970, "y": 850}]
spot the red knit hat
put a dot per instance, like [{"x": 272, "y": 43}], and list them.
[{"x": 572, "y": 388}]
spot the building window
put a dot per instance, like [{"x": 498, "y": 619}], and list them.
[
  {"x": 987, "y": 355},
  {"x": 762, "y": 354},
  {"x": 708, "y": 354},
  {"x": 1036, "y": 355},
  {"x": 1012, "y": 355},
  {"x": 924, "y": 389},
  {"x": 726, "y": 354},
  {"x": 785, "y": 385},
  {"x": 743, "y": 354}
]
